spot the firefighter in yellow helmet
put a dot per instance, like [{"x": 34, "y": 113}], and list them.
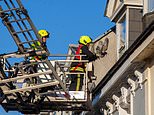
[
  {"x": 83, "y": 49},
  {"x": 43, "y": 34}
]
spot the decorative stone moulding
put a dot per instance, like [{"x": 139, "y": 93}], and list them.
[
  {"x": 124, "y": 102},
  {"x": 139, "y": 76}
]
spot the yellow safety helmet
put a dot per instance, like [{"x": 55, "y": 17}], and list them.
[
  {"x": 85, "y": 40},
  {"x": 43, "y": 33}
]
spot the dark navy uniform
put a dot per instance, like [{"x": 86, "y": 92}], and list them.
[{"x": 77, "y": 79}]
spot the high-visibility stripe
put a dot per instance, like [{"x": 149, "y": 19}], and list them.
[
  {"x": 78, "y": 69},
  {"x": 36, "y": 45},
  {"x": 78, "y": 82}
]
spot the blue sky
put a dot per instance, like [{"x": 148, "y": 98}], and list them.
[{"x": 66, "y": 20}]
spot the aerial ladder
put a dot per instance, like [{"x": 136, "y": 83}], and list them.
[{"x": 18, "y": 89}]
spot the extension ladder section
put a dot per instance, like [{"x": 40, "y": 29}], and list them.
[
  {"x": 28, "y": 90},
  {"x": 15, "y": 17}
]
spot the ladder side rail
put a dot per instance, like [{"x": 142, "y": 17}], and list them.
[
  {"x": 29, "y": 20},
  {"x": 16, "y": 55},
  {"x": 20, "y": 27},
  {"x": 23, "y": 23},
  {"x": 25, "y": 76},
  {"x": 87, "y": 92},
  {"x": 6, "y": 86},
  {"x": 63, "y": 86},
  {"x": 22, "y": 71},
  {"x": 6, "y": 65},
  {"x": 31, "y": 23},
  {"x": 11, "y": 30},
  {"x": 2, "y": 71},
  {"x": 52, "y": 83},
  {"x": 61, "y": 69},
  {"x": 86, "y": 82}
]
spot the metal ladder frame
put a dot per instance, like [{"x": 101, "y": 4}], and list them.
[{"x": 17, "y": 15}]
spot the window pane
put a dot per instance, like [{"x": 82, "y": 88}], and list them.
[
  {"x": 122, "y": 36},
  {"x": 123, "y": 31},
  {"x": 151, "y": 5}
]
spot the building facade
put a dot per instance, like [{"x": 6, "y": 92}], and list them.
[{"x": 125, "y": 84}]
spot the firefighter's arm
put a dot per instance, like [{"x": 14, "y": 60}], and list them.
[{"x": 89, "y": 54}]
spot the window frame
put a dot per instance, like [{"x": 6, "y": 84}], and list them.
[{"x": 122, "y": 49}]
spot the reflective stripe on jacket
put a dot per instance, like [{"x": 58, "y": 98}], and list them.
[
  {"x": 36, "y": 46},
  {"x": 77, "y": 69}
]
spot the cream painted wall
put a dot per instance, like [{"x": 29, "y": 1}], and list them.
[
  {"x": 150, "y": 76},
  {"x": 103, "y": 65}
]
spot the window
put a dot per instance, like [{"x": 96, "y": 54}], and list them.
[
  {"x": 121, "y": 29},
  {"x": 123, "y": 34},
  {"x": 150, "y": 5}
]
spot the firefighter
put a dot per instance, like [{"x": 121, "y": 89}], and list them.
[
  {"x": 36, "y": 46},
  {"x": 40, "y": 44},
  {"x": 44, "y": 35},
  {"x": 83, "y": 49}
]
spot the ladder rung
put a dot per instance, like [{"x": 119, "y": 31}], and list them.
[
  {"x": 28, "y": 41},
  {"x": 9, "y": 10},
  {"x": 19, "y": 74},
  {"x": 22, "y": 31},
  {"x": 60, "y": 99},
  {"x": 21, "y": 55},
  {"x": 17, "y": 20},
  {"x": 52, "y": 83},
  {"x": 25, "y": 76}
]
